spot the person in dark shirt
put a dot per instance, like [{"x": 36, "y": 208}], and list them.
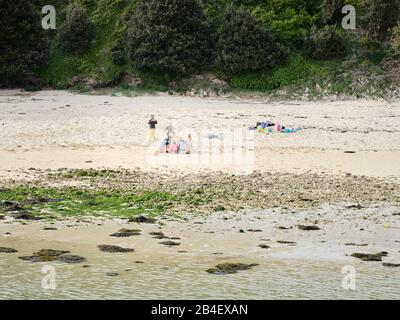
[{"x": 152, "y": 126}]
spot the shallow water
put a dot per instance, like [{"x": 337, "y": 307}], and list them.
[{"x": 187, "y": 279}]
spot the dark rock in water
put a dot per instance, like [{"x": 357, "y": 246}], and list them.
[
  {"x": 112, "y": 274},
  {"x": 2, "y": 217},
  {"x": 123, "y": 233},
  {"x": 7, "y": 250},
  {"x": 370, "y": 256},
  {"x": 230, "y": 268},
  {"x": 393, "y": 265},
  {"x": 241, "y": 231},
  {"x": 170, "y": 243},
  {"x": 349, "y": 151},
  {"x": 182, "y": 251},
  {"x": 254, "y": 230},
  {"x": 356, "y": 244},
  {"x": 283, "y": 228},
  {"x": 174, "y": 238},
  {"x": 85, "y": 266},
  {"x": 286, "y": 242},
  {"x": 50, "y": 252},
  {"x": 139, "y": 261},
  {"x": 263, "y": 246},
  {"x": 309, "y": 227},
  {"x": 111, "y": 248},
  {"x": 49, "y": 228},
  {"x": 71, "y": 258},
  {"x": 44, "y": 255},
  {"x": 142, "y": 219},
  {"x": 355, "y": 206},
  {"x": 158, "y": 235},
  {"x": 25, "y": 215},
  {"x": 38, "y": 258}
]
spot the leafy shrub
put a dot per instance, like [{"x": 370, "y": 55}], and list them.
[
  {"x": 331, "y": 11},
  {"x": 170, "y": 36},
  {"x": 288, "y": 20},
  {"x": 325, "y": 44},
  {"x": 23, "y": 42},
  {"x": 297, "y": 71},
  {"x": 77, "y": 32},
  {"x": 118, "y": 54},
  {"x": 245, "y": 45},
  {"x": 378, "y": 17},
  {"x": 395, "y": 39}
]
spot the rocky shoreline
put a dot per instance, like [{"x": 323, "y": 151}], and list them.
[{"x": 204, "y": 192}]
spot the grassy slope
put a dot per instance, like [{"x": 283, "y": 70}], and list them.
[
  {"x": 318, "y": 78},
  {"x": 97, "y": 63}
]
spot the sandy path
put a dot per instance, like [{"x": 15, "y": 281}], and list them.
[{"x": 56, "y": 129}]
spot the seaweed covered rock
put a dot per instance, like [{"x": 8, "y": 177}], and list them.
[
  {"x": 230, "y": 268},
  {"x": 170, "y": 243},
  {"x": 308, "y": 227},
  {"x": 124, "y": 233},
  {"x": 142, "y": 219},
  {"x": 112, "y": 248},
  {"x": 71, "y": 258},
  {"x": 7, "y": 250},
  {"x": 370, "y": 256},
  {"x": 44, "y": 255}
]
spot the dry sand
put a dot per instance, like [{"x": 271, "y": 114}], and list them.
[{"x": 57, "y": 129}]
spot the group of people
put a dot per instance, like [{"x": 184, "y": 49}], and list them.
[{"x": 171, "y": 143}]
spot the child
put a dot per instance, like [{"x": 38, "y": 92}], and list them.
[{"x": 152, "y": 125}]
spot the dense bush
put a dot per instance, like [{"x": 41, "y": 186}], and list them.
[
  {"x": 23, "y": 42},
  {"x": 331, "y": 11},
  {"x": 325, "y": 43},
  {"x": 288, "y": 20},
  {"x": 395, "y": 39},
  {"x": 298, "y": 71},
  {"x": 245, "y": 45},
  {"x": 77, "y": 32},
  {"x": 170, "y": 36},
  {"x": 378, "y": 17}
]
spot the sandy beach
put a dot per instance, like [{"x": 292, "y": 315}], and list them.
[
  {"x": 339, "y": 176},
  {"x": 57, "y": 129}
]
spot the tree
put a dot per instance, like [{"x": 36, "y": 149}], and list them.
[
  {"x": 76, "y": 34},
  {"x": 169, "y": 36},
  {"x": 331, "y": 11},
  {"x": 23, "y": 42},
  {"x": 395, "y": 39},
  {"x": 245, "y": 44},
  {"x": 325, "y": 44},
  {"x": 378, "y": 17}
]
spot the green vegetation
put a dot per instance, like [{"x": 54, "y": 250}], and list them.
[
  {"x": 170, "y": 37},
  {"x": 244, "y": 44},
  {"x": 77, "y": 32},
  {"x": 325, "y": 44},
  {"x": 298, "y": 71},
  {"x": 24, "y": 45},
  {"x": 48, "y": 203}
]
